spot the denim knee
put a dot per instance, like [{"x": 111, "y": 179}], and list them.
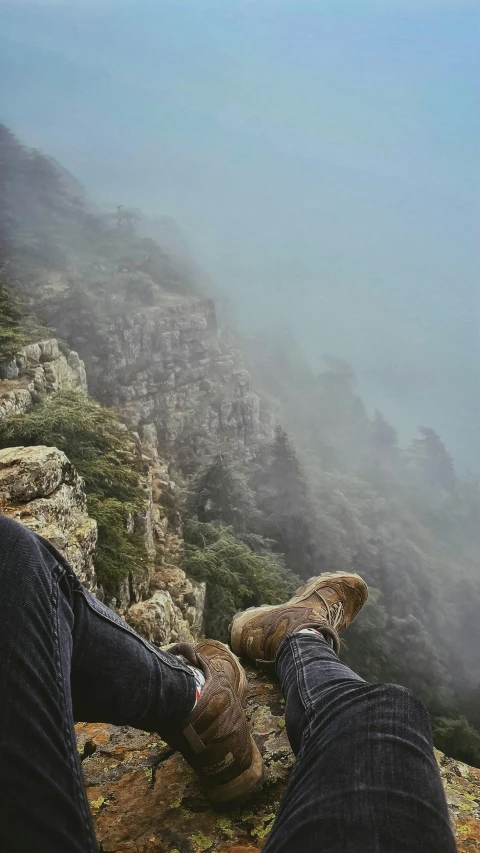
[
  {"x": 25, "y": 559},
  {"x": 403, "y": 697},
  {"x": 404, "y": 708},
  {"x": 12, "y": 532}
]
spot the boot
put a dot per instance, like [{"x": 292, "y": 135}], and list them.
[
  {"x": 328, "y": 603},
  {"x": 215, "y": 738}
]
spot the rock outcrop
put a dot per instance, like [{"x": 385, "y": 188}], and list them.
[
  {"x": 159, "y": 620},
  {"x": 38, "y": 370},
  {"x": 40, "y": 488},
  {"x": 161, "y": 602},
  {"x": 145, "y": 799},
  {"x": 171, "y": 366}
]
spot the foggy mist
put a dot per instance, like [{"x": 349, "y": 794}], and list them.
[{"x": 320, "y": 158}]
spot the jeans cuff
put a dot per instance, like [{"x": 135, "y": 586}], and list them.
[{"x": 295, "y": 635}]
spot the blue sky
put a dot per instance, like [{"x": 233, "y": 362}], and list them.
[{"x": 320, "y": 157}]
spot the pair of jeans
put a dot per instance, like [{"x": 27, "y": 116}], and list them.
[{"x": 364, "y": 779}]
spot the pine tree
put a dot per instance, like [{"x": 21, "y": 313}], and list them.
[
  {"x": 221, "y": 493},
  {"x": 284, "y": 500},
  {"x": 383, "y": 435},
  {"x": 381, "y": 462},
  {"x": 11, "y": 338},
  {"x": 432, "y": 460},
  {"x": 236, "y": 577},
  {"x": 17, "y": 327}
]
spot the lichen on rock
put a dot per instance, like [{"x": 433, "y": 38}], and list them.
[
  {"x": 159, "y": 620},
  {"x": 40, "y": 488}
]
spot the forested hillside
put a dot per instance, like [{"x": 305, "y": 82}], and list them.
[{"x": 331, "y": 489}]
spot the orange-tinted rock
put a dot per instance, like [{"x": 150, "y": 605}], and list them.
[{"x": 145, "y": 799}]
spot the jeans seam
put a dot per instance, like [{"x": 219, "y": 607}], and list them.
[
  {"x": 67, "y": 734},
  {"x": 302, "y": 688},
  {"x": 124, "y": 626}
]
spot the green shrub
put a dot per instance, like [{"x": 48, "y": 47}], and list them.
[
  {"x": 105, "y": 455},
  {"x": 236, "y": 577},
  {"x": 119, "y": 553}
]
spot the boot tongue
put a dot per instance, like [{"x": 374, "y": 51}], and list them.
[
  {"x": 186, "y": 651},
  {"x": 326, "y": 592}
]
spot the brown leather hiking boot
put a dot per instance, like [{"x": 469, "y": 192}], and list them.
[
  {"x": 328, "y": 602},
  {"x": 215, "y": 738}
]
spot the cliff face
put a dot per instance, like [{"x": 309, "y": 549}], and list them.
[
  {"x": 41, "y": 489},
  {"x": 162, "y": 603},
  {"x": 170, "y": 365}
]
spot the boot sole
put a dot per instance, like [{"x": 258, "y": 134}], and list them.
[
  {"x": 304, "y": 591},
  {"x": 240, "y": 789}
]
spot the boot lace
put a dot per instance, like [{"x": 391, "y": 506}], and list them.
[{"x": 335, "y": 612}]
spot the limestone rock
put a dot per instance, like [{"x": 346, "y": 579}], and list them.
[
  {"x": 178, "y": 612},
  {"x": 189, "y": 596},
  {"x": 39, "y": 369},
  {"x": 40, "y": 488},
  {"x": 159, "y": 620},
  {"x": 146, "y": 800},
  {"x": 32, "y": 472}
]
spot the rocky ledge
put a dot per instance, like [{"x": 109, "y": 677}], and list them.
[
  {"x": 146, "y": 799},
  {"x": 36, "y": 371},
  {"x": 40, "y": 488}
]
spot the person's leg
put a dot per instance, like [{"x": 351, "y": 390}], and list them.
[
  {"x": 365, "y": 779},
  {"x": 51, "y": 629}
]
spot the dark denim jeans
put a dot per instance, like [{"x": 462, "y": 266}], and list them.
[
  {"x": 65, "y": 656},
  {"x": 365, "y": 778}
]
